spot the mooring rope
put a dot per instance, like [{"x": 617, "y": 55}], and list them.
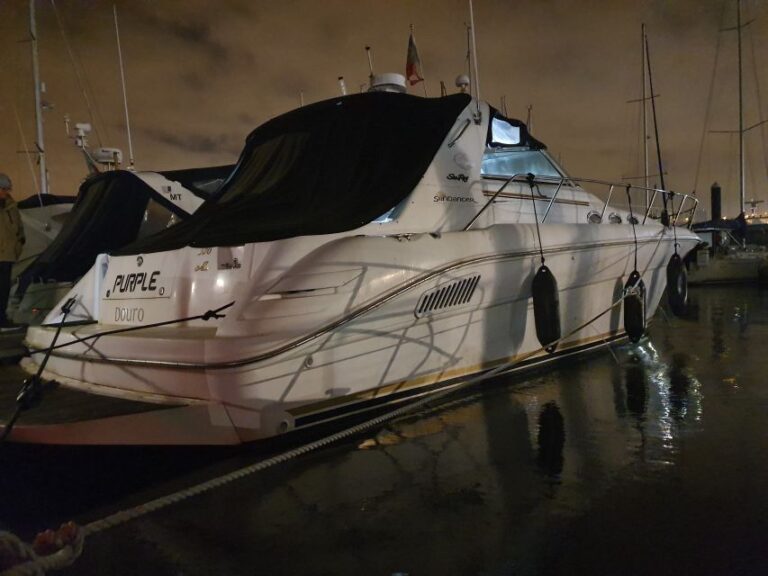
[
  {"x": 65, "y": 557},
  {"x": 41, "y": 564},
  {"x": 30, "y": 391},
  {"x": 215, "y": 314},
  {"x": 531, "y": 181},
  {"x": 29, "y": 395},
  {"x": 632, "y": 220}
]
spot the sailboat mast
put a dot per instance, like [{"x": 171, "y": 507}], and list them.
[
  {"x": 645, "y": 113},
  {"x": 38, "y": 101},
  {"x": 644, "y": 101},
  {"x": 742, "y": 186},
  {"x": 655, "y": 120}
]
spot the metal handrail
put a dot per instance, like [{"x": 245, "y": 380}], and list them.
[
  {"x": 551, "y": 202},
  {"x": 607, "y": 201},
  {"x": 572, "y": 181},
  {"x": 490, "y": 200}
]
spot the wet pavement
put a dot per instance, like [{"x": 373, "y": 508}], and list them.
[{"x": 650, "y": 462}]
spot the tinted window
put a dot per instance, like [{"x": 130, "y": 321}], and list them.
[{"x": 508, "y": 162}]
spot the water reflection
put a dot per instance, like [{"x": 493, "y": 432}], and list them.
[
  {"x": 661, "y": 398},
  {"x": 719, "y": 348},
  {"x": 679, "y": 386},
  {"x": 581, "y": 469},
  {"x": 636, "y": 391},
  {"x": 551, "y": 440}
]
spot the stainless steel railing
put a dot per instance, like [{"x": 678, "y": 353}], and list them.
[{"x": 655, "y": 200}]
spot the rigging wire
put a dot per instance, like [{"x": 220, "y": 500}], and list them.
[
  {"x": 25, "y": 149},
  {"x": 633, "y": 147},
  {"x": 708, "y": 109},
  {"x": 733, "y": 163},
  {"x": 26, "y": 152},
  {"x": 77, "y": 68},
  {"x": 759, "y": 103}
]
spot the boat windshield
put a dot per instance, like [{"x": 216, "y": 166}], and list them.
[
  {"x": 328, "y": 167},
  {"x": 510, "y": 150},
  {"x": 507, "y": 162}
]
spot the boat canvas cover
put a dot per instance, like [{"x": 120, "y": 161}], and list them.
[
  {"x": 522, "y": 138},
  {"x": 328, "y": 167},
  {"x": 107, "y": 215}
]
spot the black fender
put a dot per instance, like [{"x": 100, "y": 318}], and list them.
[
  {"x": 634, "y": 307},
  {"x": 546, "y": 308},
  {"x": 677, "y": 285}
]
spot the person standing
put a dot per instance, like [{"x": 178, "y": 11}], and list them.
[{"x": 11, "y": 242}]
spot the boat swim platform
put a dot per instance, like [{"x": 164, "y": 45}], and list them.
[{"x": 67, "y": 416}]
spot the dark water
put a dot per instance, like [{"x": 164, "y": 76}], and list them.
[{"x": 653, "y": 462}]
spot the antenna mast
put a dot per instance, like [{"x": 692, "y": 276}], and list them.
[
  {"x": 125, "y": 97},
  {"x": 370, "y": 65},
  {"x": 474, "y": 60},
  {"x": 38, "y": 101}
]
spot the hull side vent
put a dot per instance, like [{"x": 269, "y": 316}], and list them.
[{"x": 449, "y": 295}]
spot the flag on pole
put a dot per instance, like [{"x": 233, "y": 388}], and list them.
[{"x": 413, "y": 64}]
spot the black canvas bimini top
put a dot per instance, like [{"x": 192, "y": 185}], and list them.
[
  {"x": 106, "y": 216},
  {"x": 328, "y": 167}
]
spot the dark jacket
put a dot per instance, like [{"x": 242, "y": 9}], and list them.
[{"x": 11, "y": 231}]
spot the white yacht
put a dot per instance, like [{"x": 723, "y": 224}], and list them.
[{"x": 365, "y": 249}]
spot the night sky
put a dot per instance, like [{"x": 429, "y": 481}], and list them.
[{"x": 201, "y": 75}]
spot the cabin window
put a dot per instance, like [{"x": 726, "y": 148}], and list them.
[
  {"x": 385, "y": 218},
  {"x": 390, "y": 215},
  {"x": 507, "y": 163}
]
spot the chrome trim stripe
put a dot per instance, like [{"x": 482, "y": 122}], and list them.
[
  {"x": 516, "y": 196},
  {"x": 322, "y": 412},
  {"x": 354, "y": 314}
]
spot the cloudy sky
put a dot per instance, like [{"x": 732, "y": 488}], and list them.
[{"x": 201, "y": 75}]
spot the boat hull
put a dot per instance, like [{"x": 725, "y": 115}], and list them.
[{"x": 480, "y": 317}]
